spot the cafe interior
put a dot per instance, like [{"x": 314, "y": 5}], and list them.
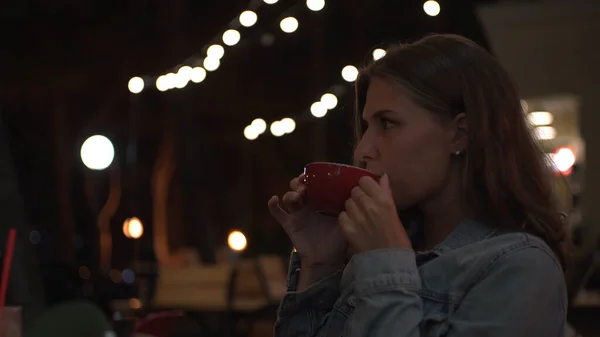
[{"x": 141, "y": 141}]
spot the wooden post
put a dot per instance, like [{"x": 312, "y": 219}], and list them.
[{"x": 161, "y": 180}]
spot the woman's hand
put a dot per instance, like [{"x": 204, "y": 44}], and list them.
[
  {"x": 371, "y": 220},
  {"x": 317, "y": 238}
]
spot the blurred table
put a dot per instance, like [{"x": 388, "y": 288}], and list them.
[
  {"x": 220, "y": 297},
  {"x": 12, "y": 323}
]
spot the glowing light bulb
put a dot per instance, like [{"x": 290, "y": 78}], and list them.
[
  {"x": 97, "y": 152},
  {"x": 237, "y": 241}
]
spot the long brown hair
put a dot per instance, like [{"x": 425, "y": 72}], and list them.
[{"x": 506, "y": 174}]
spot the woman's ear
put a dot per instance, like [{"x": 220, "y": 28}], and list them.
[{"x": 460, "y": 138}]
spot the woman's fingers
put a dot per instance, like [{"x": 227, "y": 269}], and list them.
[
  {"x": 276, "y": 211},
  {"x": 293, "y": 201},
  {"x": 297, "y": 182}
]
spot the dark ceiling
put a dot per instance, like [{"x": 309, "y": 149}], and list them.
[
  {"x": 66, "y": 64},
  {"x": 89, "y": 49}
]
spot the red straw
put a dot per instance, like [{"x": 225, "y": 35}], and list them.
[{"x": 8, "y": 255}]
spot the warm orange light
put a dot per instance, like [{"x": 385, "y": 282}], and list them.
[
  {"x": 135, "y": 303},
  {"x": 237, "y": 241},
  {"x": 133, "y": 228},
  {"x": 126, "y": 228}
]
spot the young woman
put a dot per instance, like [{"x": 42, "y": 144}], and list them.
[{"x": 460, "y": 237}]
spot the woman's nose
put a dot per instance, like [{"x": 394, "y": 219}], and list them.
[{"x": 364, "y": 151}]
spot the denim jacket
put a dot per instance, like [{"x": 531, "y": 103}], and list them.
[{"x": 477, "y": 282}]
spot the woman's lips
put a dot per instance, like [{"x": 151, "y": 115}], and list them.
[{"x": 377, "y": 173}]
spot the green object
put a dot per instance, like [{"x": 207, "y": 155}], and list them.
[{"x": 70, "y": 319}]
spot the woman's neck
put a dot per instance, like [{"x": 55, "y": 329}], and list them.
[{"x": 441, "y": 217}]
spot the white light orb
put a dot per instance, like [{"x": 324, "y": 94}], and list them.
[
  {"x": 270, "y": 2},
  {"x": 277, "y": 129},
  {"x": 259, "y": 125},
  {"x": 288, "y": 125},
  {"x": 211, "y": 64},
  {"x": 171, "y": 80},
  {"x": 185, "y": 71},
  {"x": 318, "y": 109},
  {"x": 231, "y": 37},
  {"x": 289, "y": 24},
  {"x": 248, "y": 18},
  {"x": 378, "y": 53},
  {"x": 180, "y": 81},
  {"x": 251, "y": 132},
  {"x": 135, "y": 85},
  {"x": 329, "y": 100},
  {"x": 215, "y": 51},
  {"x": 162, "y": 84},
  {"x": 431, "y": 8},
  {"x": 315, "y": 5},
  {"x": 349, "y": 73},
  {"x": 97, "y": 152},
  {"x": 198, "y": 74}
]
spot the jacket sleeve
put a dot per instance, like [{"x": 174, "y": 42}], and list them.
[
  {"x": 300, "y": 313},
  {"x": 521, "y": 294}
]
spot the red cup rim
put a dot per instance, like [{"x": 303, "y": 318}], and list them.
[{"x": 339, "y": 164}]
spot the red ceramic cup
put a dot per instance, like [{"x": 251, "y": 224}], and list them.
[{"x": 328, "y": 185}]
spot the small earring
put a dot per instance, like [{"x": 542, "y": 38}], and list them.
[{"x": 457, "y": 152}]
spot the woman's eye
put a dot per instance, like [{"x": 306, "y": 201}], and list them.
[{"x": 386, "y": 124}]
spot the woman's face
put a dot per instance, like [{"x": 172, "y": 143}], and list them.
[{"x": 410, "y": 144}]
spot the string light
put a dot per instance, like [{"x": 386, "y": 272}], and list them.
[
  {"x": 330, "y": 101},
  {"x": 248, "y": 18},
  {"x": 378, "y": 54},
  {"x": 185, "y": 72},
  {"x": 350, "y": 73},
  {"x": 231, "y": 37},
  {"x": 212, "y": 61},
  {"x": 255, "y": 129},
  {"x": 277, "y": 129},
  {"x": 215, "y": 51},
  {"x": 288, "y": 125},
  {"x": 97, "y": 152},
  {"x": 315, "y": 5},
  {"x": 211, "y": 64},
  {"x": 317, "y": 109},
  {"x": 162, "y": 84},
  {"x": 198, "y": 74},
  {"x": 431, "y": 8},
  {"x": 136, "y": 85},
  {"x": 250, "y": 133},
  {"x": 289, "y": 24}
]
